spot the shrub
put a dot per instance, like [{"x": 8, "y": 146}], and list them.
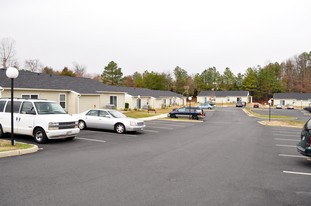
[{"x": 127, "y": 105}]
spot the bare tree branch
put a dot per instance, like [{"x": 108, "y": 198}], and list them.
[
  {"x": 33, "y": 65},
  {"x": 7, "y": 52},
  {"x": 79, "y": 69}
]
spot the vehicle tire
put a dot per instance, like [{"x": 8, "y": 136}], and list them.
[
  {"x": 71, "y": 138},
  {"x": 40, "y": 136},
  {"x": 119, "y": 128},
  {"x": 195, "y": 117},
  {"x": 172, "y": 116},
  {"x": 1, "y": 131},
  {"x": 81, "y": 125}
]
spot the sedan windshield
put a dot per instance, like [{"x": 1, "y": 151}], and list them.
[
  {"x": 49, "y": 108},
  {"x": 117, "y": 114}
]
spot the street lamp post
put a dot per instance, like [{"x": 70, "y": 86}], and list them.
[
  {"x": 269, "y": 109},
  {"x": 12, "y": 73},
  {"x": 190, "y": 98}
]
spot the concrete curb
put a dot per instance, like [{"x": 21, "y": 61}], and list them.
[
  {"x": 265, "y": 123},
  {"x": 11, "y": 153}
]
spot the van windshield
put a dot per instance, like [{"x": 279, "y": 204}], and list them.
[{"x": 49, "y": 108}]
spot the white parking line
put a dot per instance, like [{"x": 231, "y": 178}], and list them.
[
  {"x": 168, "y": 128},
  {"x": 283, "y": 145},
  {"x": 148, "y": 130},
  {"x": 130, "y": 135},
  {"x": 287, "y": 132},
  {"x": 294, "y": 140},
  {"x": 172, "y": 125},
  {"x": 286, "y": 135},
  {"x": 92, "y": 140},
  {"x": 297, "y": 156},
  {"x": 297, "y": 173}
]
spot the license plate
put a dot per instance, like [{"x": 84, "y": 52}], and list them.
[{"x": 69, "y": 132}]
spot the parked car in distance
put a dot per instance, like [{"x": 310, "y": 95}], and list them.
[
  {"x": 42, "y": 119},
  {"x": 108, "y": 119},
  {"x": 278, "y": 106},
  {"x": 239, "y": 104},
  {"x": 307, "y": 109},
  {"x": 187, "y": 112},
  {"x": 255, "y": 105},
  {"x": 206, "y": 105},
  {"x": 289, "y": 106},
  {"x": 304, "y": 147}
]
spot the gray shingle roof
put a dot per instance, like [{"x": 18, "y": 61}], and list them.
[
  {"x": 31, "y": 80},
  {"x": 224, "y": 93},
  {"x": 297, "y": 96}
]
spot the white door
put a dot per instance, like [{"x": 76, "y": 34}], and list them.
[{"x": 25, "y": 119}]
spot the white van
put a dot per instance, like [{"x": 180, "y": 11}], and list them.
[{"x": 41, "y": 119}]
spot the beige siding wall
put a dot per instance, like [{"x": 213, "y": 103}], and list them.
[
  {"x": 294, "y": 102},
  {"x": 223, "y": 100},
  {"x": 86, "y": 102},
  {"x": 129, "y": 100},
  {"x": 105, "y": 100},
  {"x": 70, "y": 105},
  {"x": 71, "y": 102}
]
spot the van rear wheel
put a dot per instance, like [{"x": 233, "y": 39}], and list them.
[
  {"x": 1, "y": 131},
  {"x": 195, "y": 117},
  {"x": 40, "y": 136}
]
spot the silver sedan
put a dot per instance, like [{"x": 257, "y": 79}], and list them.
[{"x": 108, "y": 119}]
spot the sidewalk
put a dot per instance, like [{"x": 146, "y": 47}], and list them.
[{"x": 154, "y": 117}]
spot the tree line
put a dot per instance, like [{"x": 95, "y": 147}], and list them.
[{"x": 292, "y": 75}]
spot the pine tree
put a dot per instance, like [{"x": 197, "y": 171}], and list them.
[{"x": 112, "y": 75}]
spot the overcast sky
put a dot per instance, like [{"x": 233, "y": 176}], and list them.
[{"x": 157, "y": 35}]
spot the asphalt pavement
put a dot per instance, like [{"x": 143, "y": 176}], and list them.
[{"x": 228, "y": 159}]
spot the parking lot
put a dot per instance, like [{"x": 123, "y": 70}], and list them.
[
  {"x": 227, "y": 159},
  {"x": 285, "y": 142}
]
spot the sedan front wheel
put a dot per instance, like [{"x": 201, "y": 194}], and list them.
[
  {"x": 119, "y": 128},
  {"x": 81, "y": 125}
]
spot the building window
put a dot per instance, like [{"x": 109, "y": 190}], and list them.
[
  {"x": 30, "y": 96},
  {"x": 113, "y": 100},
  {"x": 62, "y": 100}
]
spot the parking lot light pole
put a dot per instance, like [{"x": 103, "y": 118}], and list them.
[
  {"x": 190, "y": 98},
  {"x": 269, "y": 109},
  {"x": 12, "y": 73}
]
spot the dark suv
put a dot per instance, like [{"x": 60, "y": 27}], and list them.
[
  {"x": 304, "y": 147},
  {"x": 187, "y": 112}
]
